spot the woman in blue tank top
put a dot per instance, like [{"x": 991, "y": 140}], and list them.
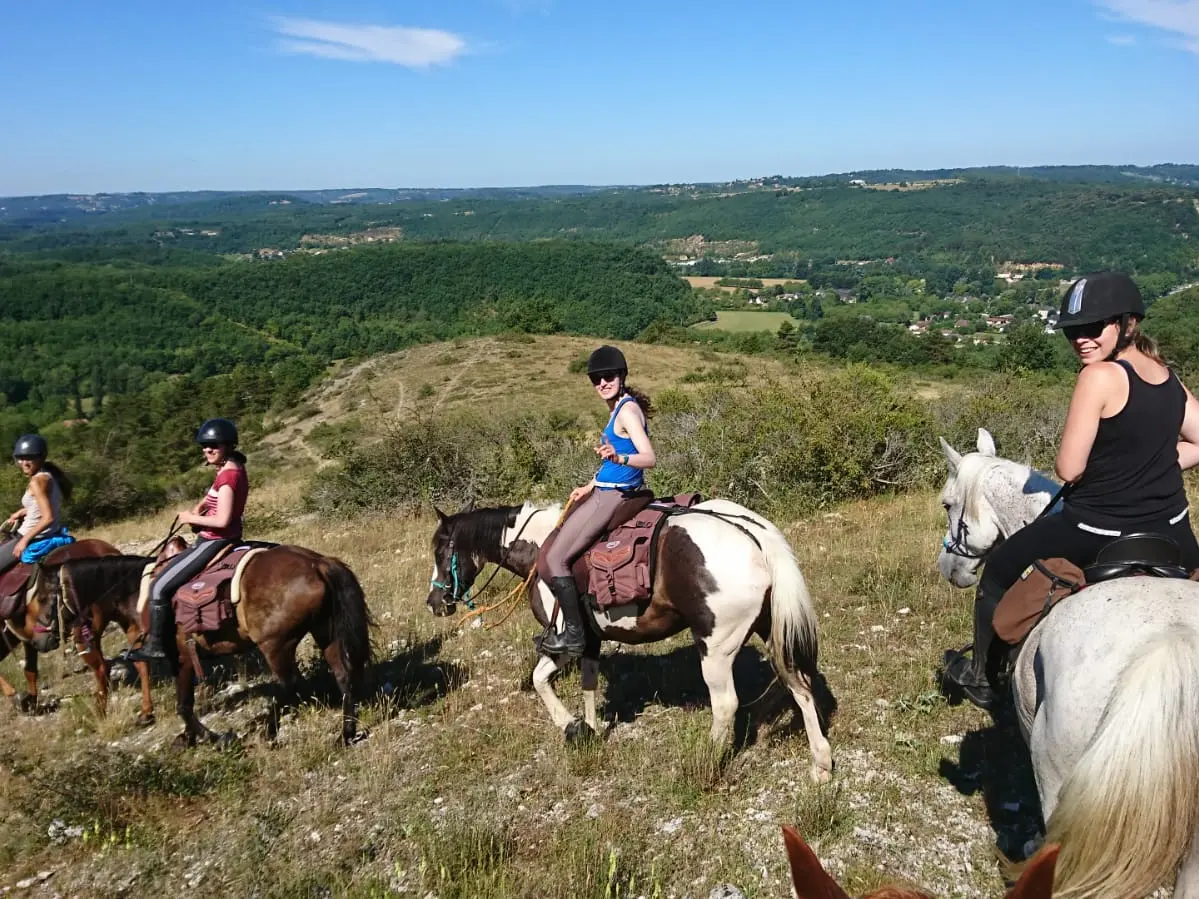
[
  {"x": 626, "y": 452},
  {"x": 1131, "y": 430}
]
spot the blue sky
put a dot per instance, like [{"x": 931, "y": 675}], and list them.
[{"x": 292, "y": 94}]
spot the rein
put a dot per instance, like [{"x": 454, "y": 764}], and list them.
[{"x": 454, "y": 580}]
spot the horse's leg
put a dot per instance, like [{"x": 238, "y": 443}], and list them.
[
  {"x": 717, "y": 666},
  {"x": 800, "y": 686},
  {"x": 185, "y": 701},
  {"x": 133, "y": 634},
  {"x": 589, "y": 668},
  {"x": 280, "y": 655},
  {"x": 345, "y": 683},
  {"x": 545, "y": 670},
  {"x": 29, "y": 702}
]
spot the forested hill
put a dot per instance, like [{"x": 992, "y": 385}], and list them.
[{"x": 990, "y": 220}]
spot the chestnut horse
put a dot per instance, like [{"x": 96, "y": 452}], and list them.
[
  {"x": 721, "y": 571},
  {"x": 38, "y": 628},
  {"x": 813, "y": 882},
  {"x": 287, "y": 592}
]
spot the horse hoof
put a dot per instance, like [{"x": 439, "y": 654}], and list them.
[
  {"x": 225, "y": 741},
  {"x": 579, "y": 732},
  {"x": 25, "y": 704},
  {"x": 144, "y": 720},
  {"x": 184, "y": 741}
]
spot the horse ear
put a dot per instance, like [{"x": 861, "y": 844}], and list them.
[
  {"x": 810, "y": 879},
  {"x": 1037, "y": 880},
  {"x": 986, "y": 443},
  {"x": 952, "y": 456}
]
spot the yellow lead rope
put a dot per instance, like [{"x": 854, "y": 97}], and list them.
[{"x": 512, "y": 597}]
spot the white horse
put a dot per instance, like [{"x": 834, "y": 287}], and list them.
[
  {"x": 1107, "y": 694},
  {"x": 722, "y": 571}
]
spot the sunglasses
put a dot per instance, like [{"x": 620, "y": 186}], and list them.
[
  {"x": 1092, "y": 331},
  {"x": 598, "y": 376},
  {"x": 210, "y": 446}
]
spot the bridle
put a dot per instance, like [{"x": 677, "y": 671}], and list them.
[
  {"x": 955, "y": 543},
  {"x": 457, "y": 594}
]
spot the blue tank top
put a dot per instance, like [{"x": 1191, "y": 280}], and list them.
[{"x": 612, "y": 475}]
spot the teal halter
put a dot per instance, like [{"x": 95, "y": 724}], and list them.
[{"x": 454, "y": 584}]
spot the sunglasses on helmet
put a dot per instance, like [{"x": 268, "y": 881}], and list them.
[{"x": 598, "y": 376}]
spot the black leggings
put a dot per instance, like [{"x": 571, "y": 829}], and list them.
[
  {"x": 184, "y": 566},
  {"x": 1059, "y": 536}
]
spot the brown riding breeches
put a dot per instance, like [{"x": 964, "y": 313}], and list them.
[{"x": 582, "y": 528}]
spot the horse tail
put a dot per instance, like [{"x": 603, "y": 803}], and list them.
[
  {"x": 1126, "y": 813},
  {"x": 792, "y": 644},
  {"x": 352, "y": 620}
]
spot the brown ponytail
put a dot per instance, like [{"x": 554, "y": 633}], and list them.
[{"x": 641, "y": 399}]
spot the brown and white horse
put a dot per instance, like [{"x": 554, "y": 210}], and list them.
[{"x": 721, "y": 571}]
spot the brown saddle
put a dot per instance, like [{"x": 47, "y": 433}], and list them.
[
  {"x": 618, "y": 568},
  {"x": 205, "y": 602},
  {"x": 15, "y": 581},
  {"x": 1047, "y": 582}
]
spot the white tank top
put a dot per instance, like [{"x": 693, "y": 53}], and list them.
[{"x": 33, "y": 512}]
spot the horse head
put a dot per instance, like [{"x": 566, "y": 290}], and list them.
[
  {"x": 973, "y": 525},
  {"x": 813, "y": 882},
  {"x": 454, "y": 564},
  {"x": 42, "y": 600}
]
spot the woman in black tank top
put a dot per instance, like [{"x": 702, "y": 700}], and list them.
[{"x": 1131, "y": 429}]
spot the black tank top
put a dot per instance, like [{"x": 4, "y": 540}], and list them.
[{"x": 1132, "y": 475}]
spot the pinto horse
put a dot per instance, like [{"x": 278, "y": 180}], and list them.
[
  {"x": 720, "y": 570},
  {"x": 287, "y": 592},
  {"x": 813, "y": 882},
  {"x": 1107, "y": 696},
  {"x": 38, "y": 628}
]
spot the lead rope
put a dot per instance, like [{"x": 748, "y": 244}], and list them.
[{"x": 512, "y": 598}]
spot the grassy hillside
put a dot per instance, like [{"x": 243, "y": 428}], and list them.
[{"x": 464, "y": 788}]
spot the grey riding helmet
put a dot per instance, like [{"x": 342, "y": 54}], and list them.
[{"x": 30, "y": 446}]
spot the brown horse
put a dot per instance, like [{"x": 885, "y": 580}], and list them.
[
  {"x": 38, "y": 628},
  {"x": 286, "y": 593},
  {"x": 813, "y": 882}
]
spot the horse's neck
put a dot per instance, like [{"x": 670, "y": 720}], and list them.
[
  {"x": 1017, "y": 493},
  {"x": 520, "y": 543}
]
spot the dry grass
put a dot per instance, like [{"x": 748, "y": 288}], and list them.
[
  {"x": 708, "y": 281},
  {"x": 463, "y": 787}
]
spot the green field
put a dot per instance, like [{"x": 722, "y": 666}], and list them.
[{"x": 748, "y": 321}]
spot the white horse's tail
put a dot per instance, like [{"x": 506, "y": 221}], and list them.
[
  {"x": 1126, "y": 813},
  {"x": 792, "y": 644}
]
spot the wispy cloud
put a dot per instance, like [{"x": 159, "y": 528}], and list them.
[
  {"x": 1121, "y": 40},
  {"x": 416, "y": 48},
  {"x": 1179, "y": 18}
]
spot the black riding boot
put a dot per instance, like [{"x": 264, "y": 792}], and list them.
[
  {"x": 568, "y": 641},
  {"x": 970, "y": 673},
  {"x": 160, "y": 623}
]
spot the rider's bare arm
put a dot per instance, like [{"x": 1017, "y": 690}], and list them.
[
  {"x": 37, "y": 486},
  {"x": 218, "y": 519},
  {"x": 1188, "y": 442},
  {"x": 1092, "y": 392},
  {"x": 631, "y": 420}
]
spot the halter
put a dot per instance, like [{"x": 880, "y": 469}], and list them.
[{"x": 455, "y": 583}]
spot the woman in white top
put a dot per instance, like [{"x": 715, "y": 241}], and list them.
[{"x": 41, "y": 507}]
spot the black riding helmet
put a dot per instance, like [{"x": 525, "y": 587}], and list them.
[
  {"x": 217, "y": 430},
  {"x": 1103, "y": 297},
  {"x": 607, "y": 358},
  {"x": 30, "y": 446},
  {"x": 1099, "y": 298}
]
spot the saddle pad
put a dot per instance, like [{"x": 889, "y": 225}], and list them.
[
  {"x": 1027, "y": 601},
  {"x": 227, "y": 568}
]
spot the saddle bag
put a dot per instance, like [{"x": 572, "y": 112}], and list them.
[
  {"x": 619, "y": 572},
  {"x": 1042, "y": 585}
]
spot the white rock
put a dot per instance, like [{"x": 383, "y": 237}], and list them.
[
  {"x": 904, "y": 611},
  {"x": 951, "y": 739}
]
